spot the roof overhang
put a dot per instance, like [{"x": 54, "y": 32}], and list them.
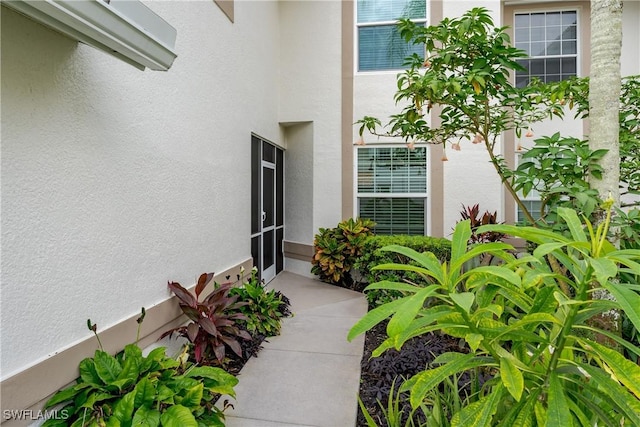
[{"x": 126, "y": 29}]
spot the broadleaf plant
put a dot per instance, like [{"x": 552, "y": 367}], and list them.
[
  {"x": 130, "y": 389},
  {"x": 520, "y": 326},
  {"x": 213, "y": 325}
]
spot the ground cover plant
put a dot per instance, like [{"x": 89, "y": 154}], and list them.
[
  {"x": 131, "y": 389},
  {"x": 521, "y": 326}
]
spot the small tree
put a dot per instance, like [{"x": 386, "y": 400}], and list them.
[{"x": 466, "y": 76}]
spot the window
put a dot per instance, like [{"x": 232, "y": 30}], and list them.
[
  {"x": 532, "y": 202},
  {"x": 533, "y": 206},
  {"x": 380, "y": 46},
  {"x": 392, "y": 188},
  {"x": 551, "y": 40}
]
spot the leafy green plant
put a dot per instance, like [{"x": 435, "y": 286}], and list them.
[
  {"x": 264, "y": 309},
  {"x": 336, "y": 249},
  {"x": 559, "y": 169},
  {"x": 519, "y": 324},
  {"x": 135, "y": 390},
  {"x": 214, "y": 321},
  {"x": 393, "y": 413},
  {"x": 372, "y": 255}
]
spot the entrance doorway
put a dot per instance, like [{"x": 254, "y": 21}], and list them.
[{"x": 267, "y": 207}]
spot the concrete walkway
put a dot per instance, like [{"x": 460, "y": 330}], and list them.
[{"x": 310, "y": 374}]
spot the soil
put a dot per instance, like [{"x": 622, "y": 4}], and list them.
[{"x": 378, "y": 375}]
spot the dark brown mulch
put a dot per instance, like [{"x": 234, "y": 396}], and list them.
[{"x": 379, "y": 373}]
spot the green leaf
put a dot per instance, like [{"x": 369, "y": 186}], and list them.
[
  {"x": 547, "y": 248},
  {"x": 374, "y": 317},
  {"x": 145, "y": 393},
  {"x": 628, "y": 300},
  {"x": 480, "y": 413},
  {"x": 394, "y": 286},
  {"x": 178, "y": 416},
  {"x": 512, "y": 378},
  {"x": 123, "y": 409},
  {"x": 88, "y": 372},
  {"x": 423, "y": 382},
  {"x": 61, "y": 396},
  {"x": 107, "y": 367},
  {"x": 558, "y": 414},
  {"x": 625, "y": 371},
  {"x": 603, "y": 269},
  {"x": 146, "y": 417},
  {"x": 463, "y": 299},
  {"x": 474, "y": 340},
  {"x": 193, "y": 396},
  {"x": 573, "y": 222},
  {"x": 408, "y": 311},
  {"x": 618, "y": 395},
  {"x": 461, "y": 235}
]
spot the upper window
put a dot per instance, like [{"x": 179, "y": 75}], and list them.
[
  {"x": 551, "y": 40},
  {"x": 380, "y": 46},
  {"x": 392, "y": 188}
]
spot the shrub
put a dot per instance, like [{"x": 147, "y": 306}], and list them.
[
  {"x": 264, "y": 309},
  {"x": 519, "y": 324},
  {"x": 336, "y": 249},
  {"x": 214, "y": 321},
  {"x": 372, "y": 256}
]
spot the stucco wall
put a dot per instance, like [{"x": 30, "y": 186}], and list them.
[
  {"x": 310, "y": 81},
  {"x": 630, "y": 58},
  {"x": 115, "y": 180}
]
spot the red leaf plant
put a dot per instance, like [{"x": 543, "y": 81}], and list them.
[{"x": 213, "y": 325}]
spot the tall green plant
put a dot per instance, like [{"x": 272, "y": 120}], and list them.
[{"x": 519, "y": 325}]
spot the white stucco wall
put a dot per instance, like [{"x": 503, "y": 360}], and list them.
[
  {"x": 630, "y": 58},
  {"x": 116, "y": 180},
  {"x": 310, "y": 91}
]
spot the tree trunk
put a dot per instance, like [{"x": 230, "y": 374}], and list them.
[
  {"x": 604, "y": 107},
  {"x": 604, "y": 93}
]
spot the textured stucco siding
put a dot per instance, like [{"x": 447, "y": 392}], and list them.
[{"x": 116, "y": 180}]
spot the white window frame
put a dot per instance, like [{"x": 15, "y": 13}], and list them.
[
  {"x": 358, "y": 195},
  {"x": 356, "y": 38},
  {"x": 577, "y": 55}
]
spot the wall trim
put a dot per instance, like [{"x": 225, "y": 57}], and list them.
[
  {"x": 300, "y": 251},
  {"x": 227, "y": 7},
  {"x": 30, "y": 388},
  {"x": 348, "y": 26}
]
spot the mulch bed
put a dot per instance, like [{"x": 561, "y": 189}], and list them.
[{"x": 379, "y": 373}]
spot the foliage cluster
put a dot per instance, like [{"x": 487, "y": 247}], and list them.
[
  {"x": 372, "y": 255},
  {"x": 520, "y": 324},
  {"x": 264, "y": 309},
  {"x": 135, "y": 390},
  {"x": 213, "y": 325},
  {"x": 228, "y": 316},
  {"x": 336, "y": 249},
  {"x": 472, "y": 213}
]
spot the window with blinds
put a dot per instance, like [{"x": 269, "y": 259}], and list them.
[
  {"x": 392, "y": 188},
  {"x": 380, "y": 46},
  {"x": 551, "y": 40}
]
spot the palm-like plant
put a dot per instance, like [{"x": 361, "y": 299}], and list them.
[{"x": 520, "y": 325}]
